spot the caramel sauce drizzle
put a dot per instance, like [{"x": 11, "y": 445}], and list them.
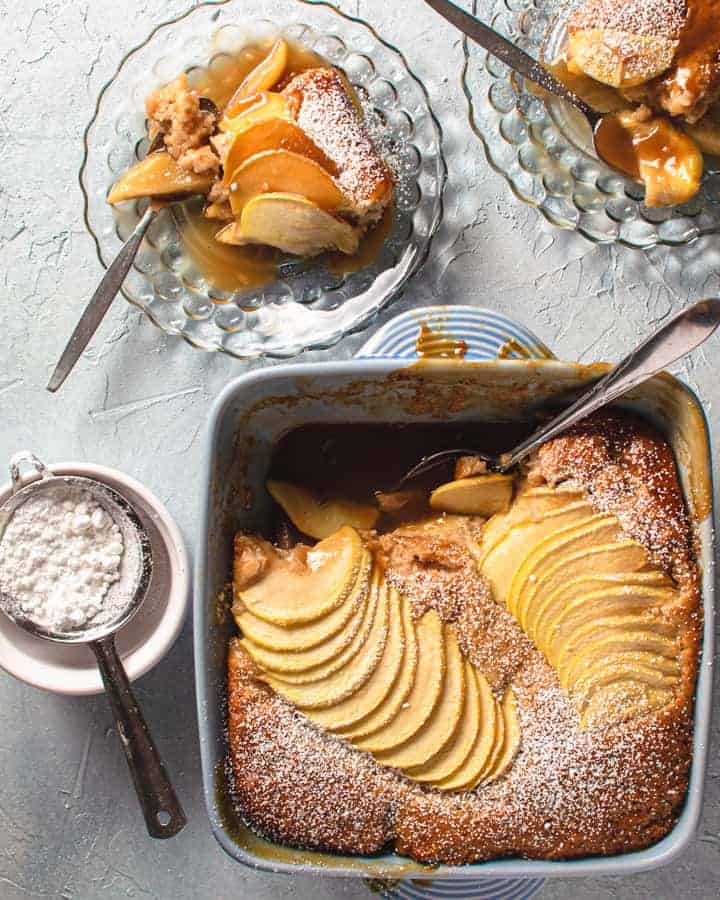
[{"x": 438, "y": 344}]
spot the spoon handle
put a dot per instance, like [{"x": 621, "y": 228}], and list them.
[
  {"x": 100, "y": 301},
  {"x": 163, "y": 813},
  {"x": 509, "y": 53},
  {"x": 683, "y": 333}
]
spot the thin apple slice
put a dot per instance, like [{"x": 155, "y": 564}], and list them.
[
  {"x": 292, "y": 224},
  {"x": 495, "y": 749},
  {"x": 316, "y": 634},
  {"x": 294, "y": 592},
  {"x": 295, "y": 673},
  {"x": 346, "y": 681},
  {"x": 622, "y": 700},
  {"x": 393, "y": 703},
  {"x": 627, "y": 558},
  {"x": 511, "y": 738},
  {"x": 158, "y": 175},
  {"x": 263, "y": 77},
  {"x": 528, "y": 507},
  {"x": 311, "y": 662},
  {"x": 581, "y": 610},
  {"x": 483, "y": 495},
  {"x": 438, "y": 730},
  {"x": 487, "y": 739},
  {"x": 379, "y": 686},
  {"x": 502, "y": 561},
  {"x": 662, "y": 649},
  {"x": 318, "y": 517},
  {"x": 427, "y": 687},
  {"x": 284, "y": 172},
  {"x": 258, "y": 108},
  {"x": 460, "y": 747},
  {"x": 272, "y": 134},
  {"x": 547, "y": 614},
  {"x": 611, "y": 628},
  {"x": 587, "y": 533}
]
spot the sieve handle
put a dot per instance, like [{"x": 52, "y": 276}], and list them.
[
  {"x": 164, "y": 816},
  {"x": 25, "y": 456}
]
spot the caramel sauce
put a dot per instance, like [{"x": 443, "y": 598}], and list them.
[
  {"x": 438, "y": 344},
  {"x": 652, "y": 151},
  {"x": 220, "y": 79},
  {"x": 232, "y": 268},
  {"x": 370, "y": 246},
  {"x": 697, "y": 53},
  {"x": 224, "y": 266}
]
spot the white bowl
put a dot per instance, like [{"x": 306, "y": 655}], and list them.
[{"x": 67, "y": 669}]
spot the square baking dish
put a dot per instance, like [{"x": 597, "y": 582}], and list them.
[{"x": 246, "y": 421}]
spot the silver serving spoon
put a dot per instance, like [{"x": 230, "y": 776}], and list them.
[
  {"x": 113, "y": 279},
  {"x": 163, "y": 813},
  {"x": 682, "y": 334}
]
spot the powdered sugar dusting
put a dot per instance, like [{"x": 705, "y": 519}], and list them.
[{"x": 325, "y": 111}]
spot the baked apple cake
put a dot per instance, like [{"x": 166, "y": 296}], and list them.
[
  {"x": 663, "y": 59},
  {"x": 283, "y": 155},
  {"x": 500, "y": 666}
]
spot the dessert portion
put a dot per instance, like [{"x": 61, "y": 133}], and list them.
[
  {"x": 663, "y": 59},
  {"x": 463, "y": 671},
  {"x": 283, "y": 155}
]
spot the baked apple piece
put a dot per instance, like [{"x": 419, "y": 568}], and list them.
[
  {"x": 263, "y": 77},
  {"x": 258, "y": 108},
  {"x": 301, "y": 585},
  {"x": 158, "y": 175},
  {"x": 482, "y": 495},
  {"x": 318, "y": 517},
  {"x": 284, "y": 172},
  {"x": 273, "y": 133},
  {"x": 291, "y": 223}
]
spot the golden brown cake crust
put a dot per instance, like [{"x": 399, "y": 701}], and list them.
[
  {"x": 627, "y": 469},
  {"x": 570, "y": 792}
]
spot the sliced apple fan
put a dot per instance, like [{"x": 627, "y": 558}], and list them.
[{"x": 356, "y": 663}]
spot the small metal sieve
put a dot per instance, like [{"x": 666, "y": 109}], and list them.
[{"x": 163, "y": 813}]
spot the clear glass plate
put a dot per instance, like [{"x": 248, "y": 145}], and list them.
[
  {"x": 305, "y": 307},
  {"x": 544, "y": 149}
]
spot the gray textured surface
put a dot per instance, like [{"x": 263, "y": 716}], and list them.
[{"x": 69, "y": 826}]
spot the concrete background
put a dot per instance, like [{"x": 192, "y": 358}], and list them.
[{"x": 69, "y": 825}]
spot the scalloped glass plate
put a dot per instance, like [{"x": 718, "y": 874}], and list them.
[
  {"x": 544, "y": 149},
  {"x": 309, "y": 308}
]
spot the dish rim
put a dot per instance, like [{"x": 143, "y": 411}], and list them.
[{"x": 655, "y": 856}]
